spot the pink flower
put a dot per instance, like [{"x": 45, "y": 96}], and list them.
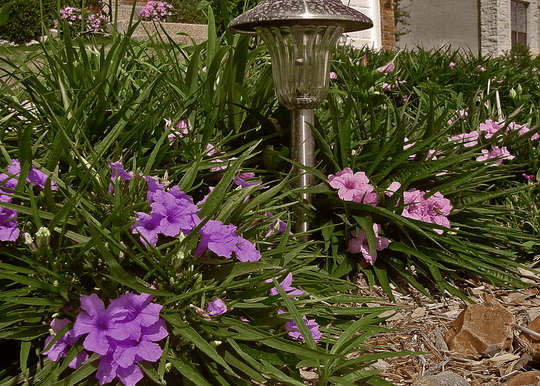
[
  {"x": 333, "y": 75},
  {"x": 408, "y": 145},
  {"x": 452, "y": 65},
  {"x": 522, "y": 130},
  {"x": 499, "y": 153},
  {"x": 490, "y": 127},
  {"x": 359, "y": 243},
  {"x": 388, "y": 67},
  {"x": 352, "y": 187},
  {"x": 529, "y": 177},
  {"x": 457, "y": 115},
  {"x": 181, "y": 129},
  {"x": 432, "y": 155},
  {"x": 467, "y": 139},
  {"x": 394, "y": 186},
  {"x": 433, "y": 210}
]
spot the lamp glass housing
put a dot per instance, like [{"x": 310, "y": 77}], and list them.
[{"x": 301, "y": 56}]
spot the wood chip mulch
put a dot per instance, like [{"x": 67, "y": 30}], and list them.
[{"x": 422, "y": 324}]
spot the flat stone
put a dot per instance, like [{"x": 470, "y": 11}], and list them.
[
  {"x": 481, "y": 330},
  {"x": 446, "y": 378},
  {"x": 531, "y": 378}
]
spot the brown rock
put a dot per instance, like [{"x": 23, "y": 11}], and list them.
[
  {"x": 533, "y": 341},
  {"x": 446, "y": 378},
  {"x": 481, "y": 329},
  {"x": 524, "y": 379}
]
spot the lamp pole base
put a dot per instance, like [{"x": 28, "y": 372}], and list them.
[{"x": 303, "y": 152}]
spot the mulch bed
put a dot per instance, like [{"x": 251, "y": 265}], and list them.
[{"x": 422, "y": 324}]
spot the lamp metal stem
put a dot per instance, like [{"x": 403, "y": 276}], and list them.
[{"x": 303, "y": 152}]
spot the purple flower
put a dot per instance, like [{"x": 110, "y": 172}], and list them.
[
  {"x": 333, "y": 75},
  {"x": 123, "y": 335},
  {"x": 359, "y": 243},
  {"x": 286, "y": 285},
  {"x": 388, "y": 67},
  {"x": 278, "y": 226},
  {"x": 148, "y": 226},
  {"x": 153, "y": 187},
  {"x": 108, "y": 369},
  {"x": 246, "y": 251},
  {"x": 240, "y": 180},
  {"x": 178, "y": 214},
  {"x": 498, "y": 153},
  {"x": 100, "y": 324},
  {"x": 522, "y": 129},
  {"x": 60, "y": 348},
  {"x": 352, "y": 187},
  {"x": 216, "y": 307},
  {"x": 529, "y": 177},
  {"x": 118, "y": 171},
  {"x": 294, "y": 332},
  {"x": 139, "y": 309},
  {"x": 34, "y": 175},
  {"x": 181, "y": 129},
  {"x": 452, "y": 65},
  {"x": 433, "y": 210},
  {"x": 217, "y": 237},
  {"x": 8, "y": 222},
  {"x": 144, "y": 348},
  {"x": 7, "y": 182}
]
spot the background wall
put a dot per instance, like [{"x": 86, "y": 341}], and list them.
[{"x": 435, "y": 23}]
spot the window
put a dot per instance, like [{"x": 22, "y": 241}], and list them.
[{"x": 519, "y": 22}]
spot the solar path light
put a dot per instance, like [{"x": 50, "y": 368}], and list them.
[{"x": 301, "y": 36}]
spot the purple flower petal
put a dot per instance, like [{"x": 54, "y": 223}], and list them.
[{"x": 216, "y": 307}]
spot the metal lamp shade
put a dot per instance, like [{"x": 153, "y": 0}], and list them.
[
  {"x": 301, "y": 62},
  {"x": 300, "y": 36}
]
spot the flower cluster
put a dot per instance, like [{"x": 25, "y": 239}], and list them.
[
  {"x": 72, "y": 15},
  {"x": 155, "y": 11},
  {"x": 434, "y": 209},
  {"x": 173, "y": 213},
  {"x": 9, "y": 230},
  {"x": 490, "y": 129},
  {"x": 353, "y": 186},
  {"x": 123, "y": 334},
  {"x": 95, "y": 23}
]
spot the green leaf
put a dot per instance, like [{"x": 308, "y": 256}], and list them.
[
  {"x": 189, "y": 371},
  {"x": 192, "y": 335}
]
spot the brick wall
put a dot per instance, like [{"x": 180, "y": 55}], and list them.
[{"x": 388, "y": 26}]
